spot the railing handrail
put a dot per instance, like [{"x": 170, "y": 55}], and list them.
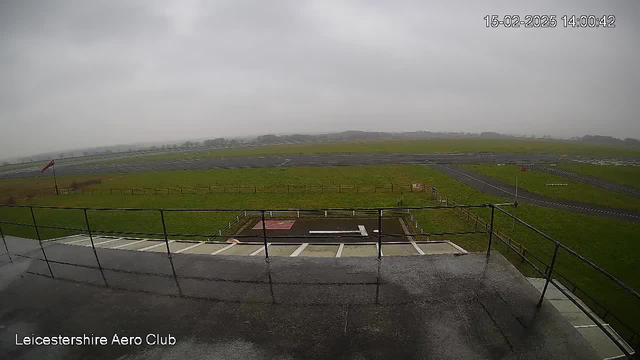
[
  {"x": 574, "y": 253},
  {"x": 263, "y": 209}
]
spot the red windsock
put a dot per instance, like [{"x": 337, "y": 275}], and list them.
[{"x": 50, "y": 164}]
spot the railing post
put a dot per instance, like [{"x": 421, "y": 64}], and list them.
[
  {"x": 35, "y": 224},
  {"x": 264, "y": 236},
  {"x": 164, "y": 231},
  {"x": 493, "y": 209},
  {"x": 549, "y": 274},
  {"x": 86, "y": 219},
  {"x": 379, "y": 233},
  {"x": 5, "y": 244}
]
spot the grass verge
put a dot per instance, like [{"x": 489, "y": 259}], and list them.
[{"x": 535, "y": 181}]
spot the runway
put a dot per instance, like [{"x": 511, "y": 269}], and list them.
[{"x": 284, "y": 161}]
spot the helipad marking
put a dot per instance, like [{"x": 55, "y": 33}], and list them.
[
  {"x": 189, "y": 247},
  {"x": 156, "y": 245},
  {"x": 224, "y": 248},
  {"x": 339, "y": 253},
  {"x": 299, "y": 250}
]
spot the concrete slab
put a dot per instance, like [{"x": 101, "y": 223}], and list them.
[
  {"x": 241, "y": 250},
  {"x": 206, "y": 248},
  {"x": 281, "y": 250},
  {"x": 601, "y": 342},
  {"x": 437, "y": 248},
  {"x": 287, "y": 308},
  {"x": 320, "y": 251},
  {"x": 359, "y": 251},
  {"x": 399, "y": 250}
]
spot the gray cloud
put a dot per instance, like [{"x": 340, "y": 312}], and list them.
[{"x": 82, "y": 73}]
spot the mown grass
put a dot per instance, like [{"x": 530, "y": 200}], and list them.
[
  {"x": 609, "y": 243},
  {"x": 535, "y": 181},
  {"x": 625, "y": 175},
  {"x": 410, "y": 146}
]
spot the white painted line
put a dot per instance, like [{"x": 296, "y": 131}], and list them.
[
  {"x": 189, "y": 248},
  {"x": 339, "y": 253},
  {"x": 363, "y": 231},
  {"x": 123, "y": 245},
  {"x": 381, "y": 253},
  {"x": 63, "y": 238},
  {"x": 299, "y": 250},
  {"x": 334, "y": 232},
  {"x": 417, "y": 248},
  {"x": 156, "y": 245},
  {"x": 457, "y": 247},
  {"x": 259, "y": 250},
  {"x": 587, "y": 326},
  {"x": 75, "y": 241},
  {"x": 105, "y": 242},
  {"x": 224, "y": 248}
]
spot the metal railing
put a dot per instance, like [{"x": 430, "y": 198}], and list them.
[
  {"x": 631, "y": 338},
  {"x": 378, "y": 213}
]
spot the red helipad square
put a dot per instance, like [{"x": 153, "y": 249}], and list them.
[{"x": 275, "y": 225}]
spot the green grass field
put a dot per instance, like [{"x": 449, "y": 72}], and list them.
[
  {"x": 411, "y": 146},
  {"x": 624, "y": 175},
  {"x": 609, "y": 243},
  {"x": 535, "y": 181}
]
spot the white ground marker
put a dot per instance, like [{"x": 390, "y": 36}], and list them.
[
  {"x": 124, "y": 245},
  {"x": 189, "y": 247},
  {"x": 299, "y": 250},
  {"x": 363, "y": 230},
  {"x": 76, "y": 241},
  {"x": 259, "y": 250},
  {"x": 105, "y": 242},
  {"x": 417, "y": 248},
  {"x": 339, "y": 253},
  {"x": 224, "y": 248},
  {"x": 156, "y": 245}
]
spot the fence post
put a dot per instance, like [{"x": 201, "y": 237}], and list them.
[
  {"x": 86, "y": 219},
  {"x": 379, "y": 233},
  {"x": 549, "y": 274},
  {"x": 35, "y": 224},
  {"x": 255, "y": 189},
  {"x": 164, "y": 231},
  {"x": 391, "y": 187},
  {"x": 264, "y": 236},
  {"x": 493, "y": 209},
  {"x": 5, "y": 244}
]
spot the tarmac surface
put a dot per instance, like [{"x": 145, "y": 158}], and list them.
[
  {"x": 498, "y": 188},
  {"x": 436, "y": 307},
  {"x": 284, "y": 161}
]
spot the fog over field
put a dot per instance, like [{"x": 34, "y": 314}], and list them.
[{"x": 79, "y": 74}]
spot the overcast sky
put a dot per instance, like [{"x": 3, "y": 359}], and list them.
[{"x": 89, "y": 73}]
